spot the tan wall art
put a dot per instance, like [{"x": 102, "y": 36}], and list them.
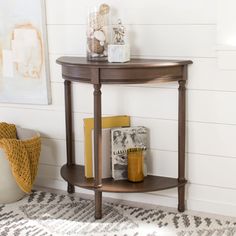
[{"x": 23, "y": 54}]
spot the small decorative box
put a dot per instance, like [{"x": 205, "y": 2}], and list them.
[{"x": 118, "y": 53}]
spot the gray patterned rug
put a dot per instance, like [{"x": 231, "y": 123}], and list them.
[{"x": 44, "y": 214}]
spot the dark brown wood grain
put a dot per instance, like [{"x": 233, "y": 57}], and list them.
[
  {"x": 78, "y": 69},
  {"x": 98, "y": 205},
  {"x": 97, "y": 142},
  {"x": 181, "y": 139},
  {"x": 140, "y": 75},
  {"x": 69, "y": 135},
  {"x": 133, "y": 63},
  {"x": 75, "y": 175},
  {"x": 133, "y": 72}
]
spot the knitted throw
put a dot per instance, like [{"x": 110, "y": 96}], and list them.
[{"x": 23, "y": 156}]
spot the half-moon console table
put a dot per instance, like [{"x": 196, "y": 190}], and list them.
[{"x": 137, "y": 71}]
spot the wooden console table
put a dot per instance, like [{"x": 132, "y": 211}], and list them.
[{"x": 137, "y": 71}]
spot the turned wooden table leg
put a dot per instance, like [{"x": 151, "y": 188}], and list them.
[
  {"x": 69, "y": 136},
  {"x": 98, "y": 150},
  {"x": 181, "y": 144}
]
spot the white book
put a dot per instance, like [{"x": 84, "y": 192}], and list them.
[
  {"x": 122, "y": 140},
  {"x": 106, "y": 153}
]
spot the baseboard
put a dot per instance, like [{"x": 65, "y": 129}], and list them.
[
  {"x": 212, "y": 207},
  {"x": 150, "y": 198}
]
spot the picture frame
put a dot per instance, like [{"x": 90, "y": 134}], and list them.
[{"x": 24, "y": 62}]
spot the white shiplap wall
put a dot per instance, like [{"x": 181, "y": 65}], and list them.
[{"x": 184, "y": 29}]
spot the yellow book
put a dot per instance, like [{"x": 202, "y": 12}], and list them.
[{"x": 107, "y": 122}]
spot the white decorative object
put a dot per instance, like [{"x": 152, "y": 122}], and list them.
[
  {"x": 119, "y": 50},
  {"x": 118, "y": 53},
  {"x": 98, "y": 33},
  {"x": 119, "y": 33}
]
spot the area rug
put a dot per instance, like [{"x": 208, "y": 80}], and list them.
[{"x": 50, "y": 214}]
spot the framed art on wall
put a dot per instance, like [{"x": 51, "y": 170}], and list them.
[{"x": 24, "y": 69}]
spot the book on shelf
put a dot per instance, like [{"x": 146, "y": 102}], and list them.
[
  {"x": 122, "y": 140},
  {"x": 107, "y": 122}
]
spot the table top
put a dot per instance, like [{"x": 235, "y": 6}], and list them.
[
  {"x": 133, "y": 63},
  {"x": 136, "y": 71}
]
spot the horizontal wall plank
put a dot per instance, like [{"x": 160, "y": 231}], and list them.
[
  {"x": 212, "y": 171},
  {"x": 50, "y": 124},
  {"x": 203, "y": 192},
  {"x": 212, "y": 139},
  {"x": 50, "y": 183},
  {"x": 200, "y": 169},
  {"x": 226, "y": 59},
  {"x": 136, "y": 12},
  {"x": 128, "y": 100},
  {"x": 203, "y": 138},
  {"x": 222, "y": 209},
  {"x": 163, "y": 163},
  {"x": 212, "y": 194},
  {"x": 194, "y": 191},
  {"x": 162, "y": 40},
  {"x": 211, "y": 106},
  {"x": 49, "y": 172},
  {"x": 57, "y": 94},
  {"x": 205, "y": 74},
  {"x": 67, "y": 39},
  {"x": 202, "y": 106},
  {"x": 53, "y": 152},
  {"x": 194, "y": 41}
]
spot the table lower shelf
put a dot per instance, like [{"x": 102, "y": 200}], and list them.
[{"x": 74, "y": 174}]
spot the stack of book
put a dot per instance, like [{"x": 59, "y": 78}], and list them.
[
  {"x": 117, "y": 138},
  {"x": 123, "y": 139}
]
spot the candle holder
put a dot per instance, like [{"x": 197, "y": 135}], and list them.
[{"x": 135, "y": 164}]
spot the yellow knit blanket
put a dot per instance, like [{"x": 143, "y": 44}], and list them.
[{"x": 23, "y": 155}]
